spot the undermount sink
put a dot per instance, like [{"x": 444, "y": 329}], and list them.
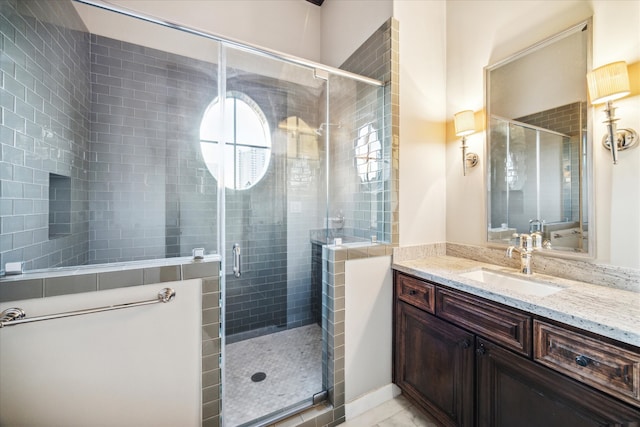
[{"x": 526, "y": 286}]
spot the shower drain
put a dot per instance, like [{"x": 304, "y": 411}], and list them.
[{"x": 258, "y": 376}]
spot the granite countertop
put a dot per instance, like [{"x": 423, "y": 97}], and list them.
[{"x": 611, "y": 312}]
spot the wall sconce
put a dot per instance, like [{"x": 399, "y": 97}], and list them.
[
  {"x": 465, "y": 124},
  {"x": 606, "y": 84}
]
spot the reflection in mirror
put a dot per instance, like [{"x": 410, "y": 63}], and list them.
[{"x": 538, "y": 151}]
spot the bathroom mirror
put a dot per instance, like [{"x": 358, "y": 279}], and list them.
[{"x": 538, "y": 144}]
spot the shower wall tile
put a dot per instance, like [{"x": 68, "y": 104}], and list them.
[
  {"x": 45, "y": 130},
  {"x": 210, "y": 343},
  {"x": 119, "y": 279},
  {"x": 65, "y": 285},
  {"x": 145, "y": 134},
  {"x": 199, "y": 270},
  {"x": 364, "y": 196},
  {"x": 274, "y": 290},
  {"x": 21, "y": 289},
  {"x": 161, "y": 274}
]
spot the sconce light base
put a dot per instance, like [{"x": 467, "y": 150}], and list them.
[
  {"x": 471, "y": 159},
  {"x": 625, "y": 139}
]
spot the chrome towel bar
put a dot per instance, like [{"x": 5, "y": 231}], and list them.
[{"x": 16, "y": 316}]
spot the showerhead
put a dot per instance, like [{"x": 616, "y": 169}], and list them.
[{"x": 323, "y": 126}]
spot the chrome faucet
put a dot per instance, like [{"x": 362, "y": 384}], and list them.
[
  {"x": 526, "y": 253},
  {"x": 535, "y": 225}
]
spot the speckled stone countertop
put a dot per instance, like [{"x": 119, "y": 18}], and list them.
[{"x": 610, "y": 312}]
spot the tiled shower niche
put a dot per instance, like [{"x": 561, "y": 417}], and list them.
[{"x": 59, "y": 205}]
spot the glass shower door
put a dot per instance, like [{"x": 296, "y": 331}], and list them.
[{"x": 275, "y": 197}]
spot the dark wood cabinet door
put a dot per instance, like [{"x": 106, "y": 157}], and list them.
[
  {"x": 514, "y": 391},
  {"x": 435, "y": 365}
]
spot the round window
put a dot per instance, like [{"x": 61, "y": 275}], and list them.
[
  {"x": 247, "y": 140},
  {"x": 368, "y": 154}
]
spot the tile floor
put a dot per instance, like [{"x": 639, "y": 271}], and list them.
[
  {"x": 292, "y": 362},
  {"x": 397, "y": 412}
]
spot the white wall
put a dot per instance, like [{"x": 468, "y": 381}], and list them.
[
  {"x": 138, "y": 366},
  {"x": 480, "y": 33},
  {"x": 348, "y": 24},
  {"x": 290, "y": 26},
  {"x": 368, "y": 325},
  {"x": 515, "y": 96},
  {"x": 422, "y": 120},
  {"x": 120, "y": 27}
]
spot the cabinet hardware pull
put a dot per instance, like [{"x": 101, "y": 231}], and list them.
[
  {"x": 481, "y": 350},
  {"x": 466, "y": 344},
  {"x": 412, "y": 292},
  {"x": 582, "y": 360}
]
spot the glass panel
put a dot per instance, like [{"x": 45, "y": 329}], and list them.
[
  {"x": 521, "y": 177},
  {"x": 500, "y": 168},
  {"x": 359, "y": 188},
  {"x": 102, "y": 162},
  {"x": 534, "y": 179},
  {"x": 273, "y": 310},
  {"x": 552, "y": 178}
]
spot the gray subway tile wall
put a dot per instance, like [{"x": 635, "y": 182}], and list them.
[
  {"x": 44, "y": 130},
  {"x": 152, "y": 196},
  {"x": 365, "y": 196},
  {"x": 274, "y": 289}
]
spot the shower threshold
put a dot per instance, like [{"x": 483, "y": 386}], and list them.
[{"x": 268, "y": 420}]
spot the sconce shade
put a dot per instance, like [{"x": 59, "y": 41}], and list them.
[
  {"x": 464, "y": 122},
  {"x": 608, "y": 82}
]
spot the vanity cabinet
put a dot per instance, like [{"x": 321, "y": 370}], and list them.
[
  {"x": 434, "y": 365},
  {"x": 606, "y": 367},
  {"x": 514, "y": 391},
  {"x": 468, "y": 361}
]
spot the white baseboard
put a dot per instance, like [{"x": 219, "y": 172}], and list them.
[{"x": 370, "y": 400}]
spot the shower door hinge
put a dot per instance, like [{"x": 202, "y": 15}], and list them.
[{"x": 320, "y": 397}]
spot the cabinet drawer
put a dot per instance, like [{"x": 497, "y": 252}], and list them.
[
  {"x": 604, "y": 366},
  {"x": 510, "y": 328},
  {"x": 416, "y": 292}
]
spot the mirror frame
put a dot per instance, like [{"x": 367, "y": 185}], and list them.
[{"x": 588, "y": 173}]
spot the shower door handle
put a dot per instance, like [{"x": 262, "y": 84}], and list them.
[{"x": 236, "y": 260}]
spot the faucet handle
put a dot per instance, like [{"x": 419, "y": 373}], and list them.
[
  {"x": 537, "y": 239},
  {"x": 526, "y": 242}
]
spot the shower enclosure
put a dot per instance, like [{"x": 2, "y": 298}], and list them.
[
  {"x": 126, "y": 139},
  {"x": 534, "y": 183}
]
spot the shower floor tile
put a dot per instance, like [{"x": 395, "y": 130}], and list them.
[{"x": 292, "y": 362}]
